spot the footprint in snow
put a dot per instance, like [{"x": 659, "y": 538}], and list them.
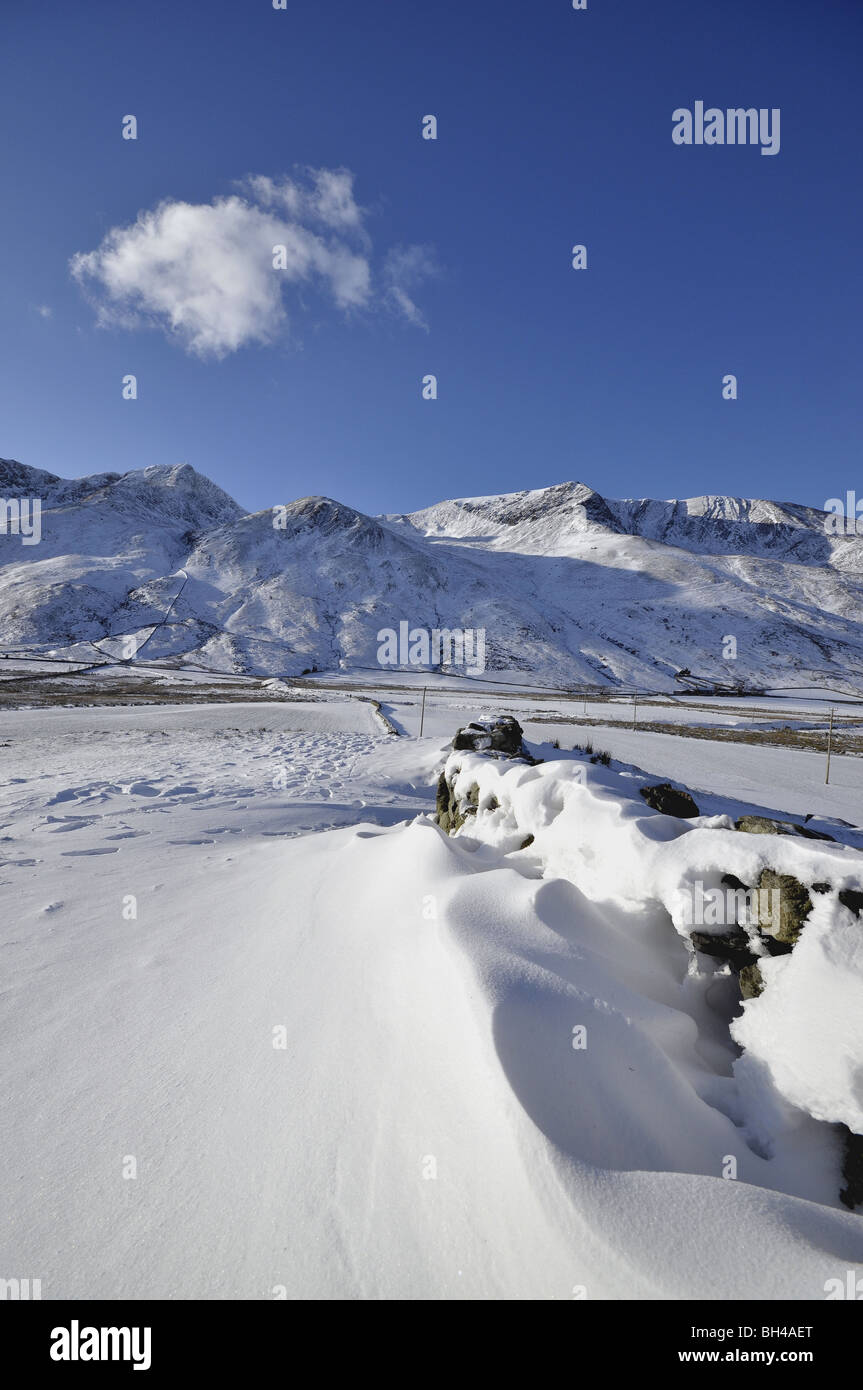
[
  {"x": 77, "y": 853},
  {"x": 63, "y": 824}
]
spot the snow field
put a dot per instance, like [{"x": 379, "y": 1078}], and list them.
[{"x": 343, "y": 1062}]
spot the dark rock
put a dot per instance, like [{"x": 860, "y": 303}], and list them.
[
  {"x": 451, "y": 811},
  {"x": 459, "y": 811},
  {"x": 795, "y": 904},
  {"x": 851, "y": 898},
  {"x": 813, "y": 834},
  {"x": 820, "y": 887},
  {"x": 671, "y": 802},
  {"x": 525, "y": 843},
  {"x": 502, "y": 735},
  {"x": 731, "y": 946},
  {"x": 764, "y": 825},
  {"x": 852, "y": 1169},
  {"x": 774, "y": 946},
  {"x": 497, "y": 738},
  {"x": 834, "y": 820},
  {"x": 751, "y": 981}
]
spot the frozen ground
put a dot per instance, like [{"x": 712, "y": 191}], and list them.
[
  {"x": 103, "y": 778},
  {"x": 342, "y": 1061}
]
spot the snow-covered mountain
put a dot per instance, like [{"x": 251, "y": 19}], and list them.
[{"x": 569, "y": 586}]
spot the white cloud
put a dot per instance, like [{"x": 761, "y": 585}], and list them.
[
  {"x": 405, "y": 268},
  {"x": 328, "y": 198},
  {"x": 204, "y": 272},
  {"x": 43, "y": 310}
]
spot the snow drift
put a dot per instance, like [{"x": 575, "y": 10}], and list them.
[{"x": 644, "y": 876}]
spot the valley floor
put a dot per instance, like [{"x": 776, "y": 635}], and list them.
[{"x": 243, "y": 1058}]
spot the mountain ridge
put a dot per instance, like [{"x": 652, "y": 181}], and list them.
[{"x": 570, "y": 586}]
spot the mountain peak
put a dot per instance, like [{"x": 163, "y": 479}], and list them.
[
  {"x": 536, "y": 518},
  {"x": 175, "y": 489}
]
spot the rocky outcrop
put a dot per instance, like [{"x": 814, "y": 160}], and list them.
[
  {"x": 497, "y": 738},
  {"x": 780, "y": 906},
  {"x": 732, "y": 947},
  {"x": 751, "y": 981},
  {"x": 764, "y": 825},
  {"x": 503, "y": 736},
  {"x": 671, "y": 801},
  {"x": 851, "y": 898},
  {"x": 795, "y": 905},
  {"x": 452, "y": 809},
  {"x": 741, "y": 925}
]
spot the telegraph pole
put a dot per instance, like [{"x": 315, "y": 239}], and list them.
[
  {"x": 423, "y": 712},
  {"x": 829, "y": 745}
]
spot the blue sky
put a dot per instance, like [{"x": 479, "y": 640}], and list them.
[{"x": 554, "y": 129}]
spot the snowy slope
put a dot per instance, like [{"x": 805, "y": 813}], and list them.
[
  {"x": 568, "y": 585},
  {"x": 102, "y": 538},
  {"x": 420, "y": 1126}
]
